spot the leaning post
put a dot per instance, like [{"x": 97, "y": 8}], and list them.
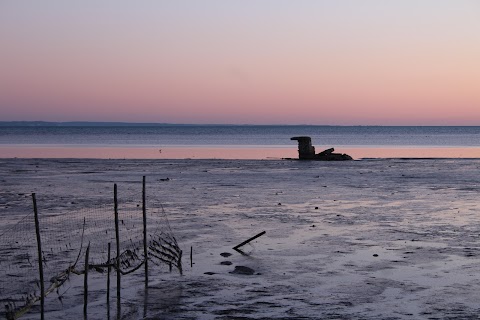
[
  {"x": 40, "y": 259},
  {"x": 85, "y": 283}
]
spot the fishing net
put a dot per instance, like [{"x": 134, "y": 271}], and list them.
[{"x": 66, "y": 229}]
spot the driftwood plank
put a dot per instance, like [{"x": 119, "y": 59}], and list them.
[{"x": 248, "y": 240}]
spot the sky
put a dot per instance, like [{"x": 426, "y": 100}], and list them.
[{"x": 330, "y": 62}]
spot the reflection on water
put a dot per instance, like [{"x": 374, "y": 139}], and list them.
[
  {"x": 225, "y": 152},
  {"x": 417, "y": 152}
]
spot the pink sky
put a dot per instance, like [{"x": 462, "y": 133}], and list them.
[{"x": 404, "y": 62}]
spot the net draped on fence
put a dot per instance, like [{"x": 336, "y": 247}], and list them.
[{"x": 66, "y": 230}]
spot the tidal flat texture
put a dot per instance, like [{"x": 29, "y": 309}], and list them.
[{"x": 370, "y": 239}]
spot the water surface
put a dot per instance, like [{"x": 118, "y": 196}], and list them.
[{"x": 234, "y": 142}]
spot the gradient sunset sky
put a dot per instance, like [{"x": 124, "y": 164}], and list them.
[{"x": 344, "y": 62}]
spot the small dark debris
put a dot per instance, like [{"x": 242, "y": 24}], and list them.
[
  {"x": 226, "y": 263},
  {"x": 375, "y": 255},
  {"x": 243, "y": 270},
  {"x": 316, "y": 208},
  {"x": 209, "y": 273},
  {"x": 225, "y": 254}
]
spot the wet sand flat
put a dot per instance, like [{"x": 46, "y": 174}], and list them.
[{"x": 370, "y": 239}]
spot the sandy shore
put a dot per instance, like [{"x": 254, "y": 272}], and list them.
[{"x": 371, "y": 239}]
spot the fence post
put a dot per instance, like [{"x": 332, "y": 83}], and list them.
[
  {"x": 117, "y": 240},
  {"x": 108, "y": 281},
  {"x": 40, "y": 259},
  {"x": 85, "y": 283},
  {"x": 145, "y": 251}
]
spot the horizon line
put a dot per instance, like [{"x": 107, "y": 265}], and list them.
[{"x": 126, "y": 123}]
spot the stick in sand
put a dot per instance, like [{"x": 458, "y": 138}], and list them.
[
  {"x": 85, "y": 283},
  {"x": 40, "y": 258},
  {"x": 248, "y": 240},
  {"x": 191, "y": 257}
]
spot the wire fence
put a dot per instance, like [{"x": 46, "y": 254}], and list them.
[{"x": 121, "y": 235}]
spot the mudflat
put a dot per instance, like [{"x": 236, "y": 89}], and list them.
[{"x": 369, "y": 239}]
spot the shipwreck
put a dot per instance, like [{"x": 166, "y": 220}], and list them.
[{"x": 307, "y": 152}]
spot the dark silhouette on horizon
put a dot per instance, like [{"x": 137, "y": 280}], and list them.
[{"x": 307, "y": 152}]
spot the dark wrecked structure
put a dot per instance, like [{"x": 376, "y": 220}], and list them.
[{"x": 307, "y": 152}]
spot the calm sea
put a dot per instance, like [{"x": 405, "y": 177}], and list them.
[{"x": 246, "y": 141}]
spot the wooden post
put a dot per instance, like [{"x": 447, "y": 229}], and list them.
[
  {"x": 85, "y": 283},
  {"x": 145, "y": 250},
  {"x": 145, "y": 302},
  {"x": 180, "y": 268},
  {"x": 40, "y": 259},
  {"x": 109, "y": 268},
  {"x": 117, "y": 240},
  {"x": 248, "y": 240}
]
